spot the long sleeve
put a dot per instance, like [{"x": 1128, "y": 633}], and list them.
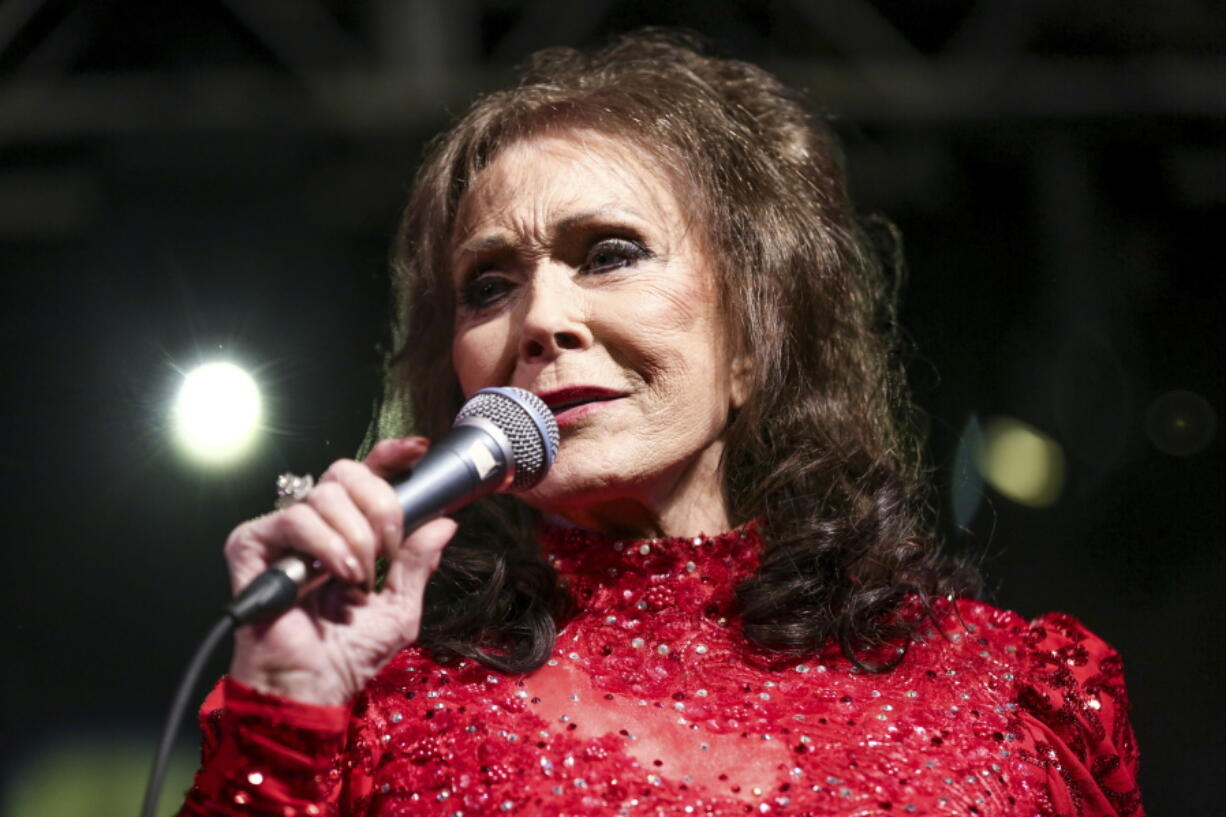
[
  {"x": 265, "y": 755},
  {"x": 1076, "y": 709}
]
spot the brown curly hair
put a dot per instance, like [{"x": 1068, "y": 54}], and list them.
[{"x": 823, "y": 450}]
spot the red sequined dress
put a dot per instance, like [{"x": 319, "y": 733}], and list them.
[{"x": 654, "y": 704}]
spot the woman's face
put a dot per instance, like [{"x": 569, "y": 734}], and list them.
[{"x": 579, "y": 278}]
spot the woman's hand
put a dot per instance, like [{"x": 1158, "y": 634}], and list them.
[{"x": 324, "y": 650}]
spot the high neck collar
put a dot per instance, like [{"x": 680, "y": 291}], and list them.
[{"x": 579, "y": 551}]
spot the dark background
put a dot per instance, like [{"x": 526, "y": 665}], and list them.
[{"x": 183, "y": 180}]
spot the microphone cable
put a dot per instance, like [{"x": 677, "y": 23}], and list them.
[{"x": 183, "y": 696}]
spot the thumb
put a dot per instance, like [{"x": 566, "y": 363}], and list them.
[{"x": 417, "y": 557}]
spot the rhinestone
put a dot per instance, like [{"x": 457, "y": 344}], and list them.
[
  {"x": 637, "y": 643},
  {"x": 443, "y": 795},
  {"x": 507, "y": 805},
  {"x": 701, "y": 693},
  {"x": 547, "y": 764},
  {"x": 701, "y": 649},
  {"x": 755, "y": 791},
  {"x": 690, "y": 567},
  {"x": 521, "y": 693},
  {"x": 642, "y": 605},
  {"x": 557, "y": 789},
  {"x": 610, "y": 620},
  {"x": 433, "y": 694},
  {"x": 580, "y": 783},
  {"x": 653, "y": 779},
  {"x": 255, "y": 778},
  {"x": 802, "y": 668},
  {"x": 491, "y": 679},
  {"x": 796, "y": 771},
  {"x": 697, "y": 540},
  {"x": 887, "y": 707},
  {"x": 911, "y": 693},
  {"x": 662, "y": 649},
  {"x": 644, "y": 549},
  {"x": 574, "y": 697},
  {"x": 397, "y": 717},
  {"x": 573, "y": 656},
  {"x": 766, "y": 696},
  {"x": 553, "y": 662}
]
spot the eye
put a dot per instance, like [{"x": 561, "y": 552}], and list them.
[
  {"x": 484, "y": 289},
  {"x": 614, "y": 253}
]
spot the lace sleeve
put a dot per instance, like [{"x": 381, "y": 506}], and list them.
[{"x": 1075, "y": 707}]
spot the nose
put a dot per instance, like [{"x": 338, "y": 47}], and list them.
[{"x": 554, "y": 318}]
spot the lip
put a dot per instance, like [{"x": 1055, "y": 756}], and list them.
[{"x": 570, "y": 403}]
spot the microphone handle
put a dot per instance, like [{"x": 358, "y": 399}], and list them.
[{"x": 473, "y": 459}]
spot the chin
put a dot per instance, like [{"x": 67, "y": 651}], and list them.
[{"x": 564, "y": 491}]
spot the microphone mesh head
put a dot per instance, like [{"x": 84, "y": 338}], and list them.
[{"x": 528, "y": 424}]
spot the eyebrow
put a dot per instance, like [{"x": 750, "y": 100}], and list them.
[{"x": 503, "y": 240}]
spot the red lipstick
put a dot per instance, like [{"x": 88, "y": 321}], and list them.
[{"x": 570, "y": 403}]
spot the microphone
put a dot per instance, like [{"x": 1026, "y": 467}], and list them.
[{"x": 503, "y": 439}]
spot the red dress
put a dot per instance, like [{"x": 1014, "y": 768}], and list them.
[{"x": 655, "y": 704}]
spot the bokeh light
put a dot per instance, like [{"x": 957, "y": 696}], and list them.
[
  {"x": 1181, "y": 423},
  {"x": 217, "y": 413},
  {"x": 1022, "y": 463},
  {"x": 966, "y": 484}
]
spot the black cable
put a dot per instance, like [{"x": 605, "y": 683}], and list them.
[{"x": 183, "y": 697}]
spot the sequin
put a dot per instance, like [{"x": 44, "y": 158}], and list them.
[{"x": 723, "y": 730}]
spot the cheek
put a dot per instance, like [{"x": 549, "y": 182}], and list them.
[{"x": 475, "y": 355}]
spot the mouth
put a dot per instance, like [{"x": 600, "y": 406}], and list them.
[{"x": 565, "y": 399}]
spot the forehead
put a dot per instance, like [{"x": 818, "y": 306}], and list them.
[{"x": 545, "y": 177}]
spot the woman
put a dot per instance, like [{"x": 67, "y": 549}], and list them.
[{"x": 721, "y": 599}]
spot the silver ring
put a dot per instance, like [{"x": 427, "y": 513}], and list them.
[{"x": 292, "y": 488}]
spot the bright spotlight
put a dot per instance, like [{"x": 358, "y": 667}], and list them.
[
  {"x": 1022, "y": 463},
  {"x": 217, "y": 412}
]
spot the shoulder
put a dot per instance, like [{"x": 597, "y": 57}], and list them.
[{"x": 1070, "y": 700}]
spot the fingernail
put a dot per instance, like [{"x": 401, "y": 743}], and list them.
[
  {"x": 355, "y": 569},
  {"x": 391, "y": 538}
]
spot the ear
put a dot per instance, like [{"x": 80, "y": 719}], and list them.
[{"x": 741, "y": 380}]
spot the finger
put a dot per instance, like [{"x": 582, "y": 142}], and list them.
[
  {"x": 333, "y": 503},
  {"x": 393, "y": 458},
  {"x": 301, "y": 529},
  {"x": 375, "y": 498},
  {"x": 418, "y": 557}
]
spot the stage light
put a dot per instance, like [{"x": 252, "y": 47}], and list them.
[
  {"x": 217, "y": 412},
  {"x": 1022, "y": 463}
]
